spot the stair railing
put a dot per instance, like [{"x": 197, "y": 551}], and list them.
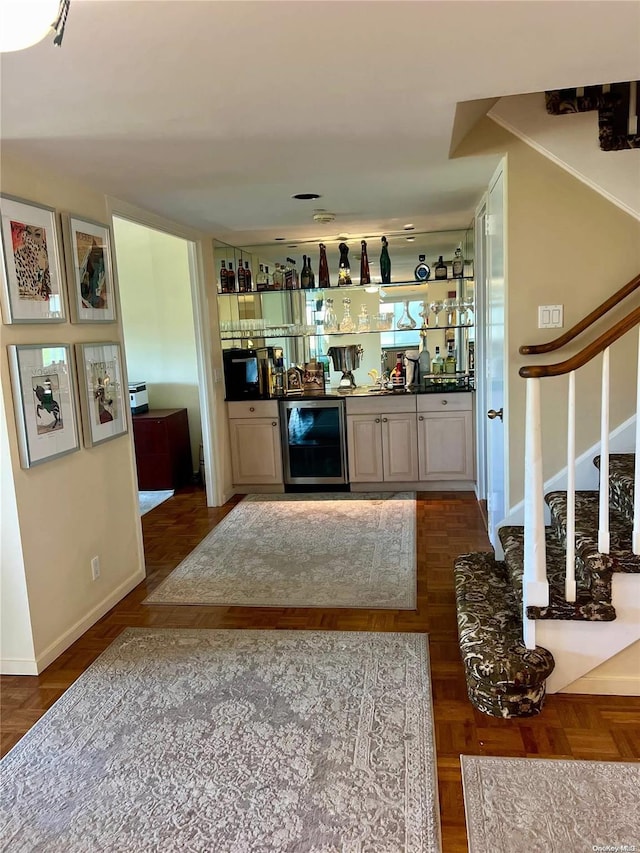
[{"x": 535, "y": 587}]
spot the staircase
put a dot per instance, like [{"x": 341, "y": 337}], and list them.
[{"x": 504, "y": 678}]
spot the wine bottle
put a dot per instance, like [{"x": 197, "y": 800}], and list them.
[
  {"x": 344, "y": 270},
  {"x": 247, "y": 277},
  {"x": 241, "y": 278},
  {"x": 424, "y": 359},
  {"x": 323, "y": 268},
  {"x": 231, "y": 279},
  {"x": 385, "y": 263},
  {"x": 223, "y": 278},
  {"x": 423, "y": 270},
  {"x": 458, "y": 264},
  {"x": 365, "y": 275},
  {"x": 450, "y": 360},
  {"x": 305, "y": 279},
  {"x": 310, "y": 273},
  {"x": 441, "y": 269}
]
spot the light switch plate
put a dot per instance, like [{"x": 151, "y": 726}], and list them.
[{"x": 550, "y": 316}]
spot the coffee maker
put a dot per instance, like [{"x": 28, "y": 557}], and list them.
[{"x": 241, "y": 374}]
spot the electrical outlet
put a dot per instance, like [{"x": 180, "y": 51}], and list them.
[{"x": 95, "y": 568}]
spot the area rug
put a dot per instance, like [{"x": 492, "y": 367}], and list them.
[
  {"x": 550, "y": 805},
  {"x": 150, "y": 500},
  {"x": 227, "y": 741},
  {"x": 302, "y": 550}
]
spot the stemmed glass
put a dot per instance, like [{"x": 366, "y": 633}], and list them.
[
  {"x": 450, "y": 306},
  {"x": 436, "y": 307},
  {"x": 469, "y": 306},
  {"x": 424, "y": 314},
  {"x": 462, "y": 310}
]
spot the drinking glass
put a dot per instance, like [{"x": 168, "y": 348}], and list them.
[
  {"x": 436, "y": 307},
  {"x": 450, "y": 306}
]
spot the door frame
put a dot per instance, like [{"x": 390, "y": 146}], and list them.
[
  {"x": 480, "y": 261},
  {"x": 202, "y": 333}
]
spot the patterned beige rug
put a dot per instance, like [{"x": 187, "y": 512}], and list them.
[
  {"x": 550, "y": 805},
  {"x": 300, "y": 550},
  {"x": 150, "y": 500},
  {"x": 216, "y": 741}
]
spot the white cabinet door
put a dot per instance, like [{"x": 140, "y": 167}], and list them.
[
  {"x": 445, "y": 445},
  {"x": 399, "y": 447},
  {"x": 364, "y": 448},
  {"x": 256, "y": 454}
]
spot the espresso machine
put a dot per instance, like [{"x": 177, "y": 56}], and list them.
[{"x": 346, "y": 359}]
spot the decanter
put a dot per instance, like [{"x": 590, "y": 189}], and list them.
[
  {"x": 344, "y": 271},
  {"x": 406, "y": 321},
  {"x": 330, "y": 317},
  {"x": 424, "y": 314},
  {"x": 347, "y": 324},
  {"x": 364, "y": 324}
]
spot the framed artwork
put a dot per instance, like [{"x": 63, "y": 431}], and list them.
[
  {"x": 102, "y": 400},
  {"x": 89, "y": 270},
  {"x": 32, "y": 290},
  {"x": 43, "y": 382}
]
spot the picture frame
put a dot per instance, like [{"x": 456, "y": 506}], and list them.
[
  {"x": 89, "y": 264},
  {"x": 44, "y": 395},
  {"x": 32, "y": 288},
  {"x": 103, "y": 403}
]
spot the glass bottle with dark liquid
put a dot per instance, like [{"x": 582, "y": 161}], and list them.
[
  {"x": 365, "y": 275},
  {"x": 344, "y": 270},
  {"x": 231, "y": 279},
  {"x": 323, "y": 268},
  {"x": 385, "y": 263}
]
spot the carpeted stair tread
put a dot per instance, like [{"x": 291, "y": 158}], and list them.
[
  {"x": 504, "y": 678},
  {"x": 620, "y": 558},
  {"x": 583, "y": 609},
  {"x": 621, "y": 482}
]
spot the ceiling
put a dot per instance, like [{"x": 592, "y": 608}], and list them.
[{"x": 213, "y": 114}]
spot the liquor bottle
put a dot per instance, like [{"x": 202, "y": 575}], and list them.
[
  {"x": 365, "y": 275},
  {"x": 398, "y": 374},
  {"x": 306, "y": 273},
  {"x": 346, "y": 324},
  {"x": 294, "y": 275},
  {"x": 223, "y": 278},
  {"x": 278, "y": 278},
  {"x": 450, "y": 360},
  {"x": 261, "y": 279},
  {"x": 231, "y": 279},
  {"x": 424, "y": 360},
  {"x": 437, "y": 364},
  {"x": 458, "y": 264},
  {"x": 471, "y": 357},
  {"x": 288, "y": 275},
  {"x": 247, "y": 277},
  {"x": 423, "y": 270},
  {"x": 310, "y": 273},
  {"x": 441, "y": 269},
  {"x": 385, "y": 263},
  {"x": 268, "y": 277},
  {"x": 323, "y": 268},
  {"x": 344, "y": 270},
  {"x": 241, "y": 278}
]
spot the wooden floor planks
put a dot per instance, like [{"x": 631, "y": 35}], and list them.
[{"x": 449, "y": 524}]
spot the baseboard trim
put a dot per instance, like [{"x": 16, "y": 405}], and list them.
[
  {"x": 63, "y": 642},
  {"x": 602, "y": 685},
  {"x": 18, "y": 666}
]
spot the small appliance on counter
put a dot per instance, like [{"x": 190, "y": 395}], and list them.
[
  {"x": 346, "y": 359},
  {"x": 138, "y": 397},
  {"x": 241, "y": 374}
]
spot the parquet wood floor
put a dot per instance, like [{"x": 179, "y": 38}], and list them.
[{"x": 449, "y": 524}]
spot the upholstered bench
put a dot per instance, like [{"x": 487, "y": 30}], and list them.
[{"x": 504, "y": 678}]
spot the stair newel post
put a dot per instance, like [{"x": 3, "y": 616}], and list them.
[
  {"x": 570, "y": 572},
  {"x": 603, "y": 518},
  {"x": 535, "y": 588},
  {"x": 636, "y": 479}
]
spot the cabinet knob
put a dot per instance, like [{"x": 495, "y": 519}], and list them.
[
  {"x": 444, "y": 402},
  {"x": 384, "y": 420},
  {"x": 252, "y": 408},
  {"x": 274, "y": 423},
  {"x": 420, "y": 418},
  {"x": 377, "y": 420}
]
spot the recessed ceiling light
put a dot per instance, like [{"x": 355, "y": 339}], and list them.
[
  {"x": 280, "y": 239},
  {"x": 409, "y": 239},
  {"x": 292, "y": 246},
  {"x": 409, "y": 227},
  {"x": 306, "y": 196}
]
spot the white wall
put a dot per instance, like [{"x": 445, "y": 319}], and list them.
[{"x": 157, "y": 315}]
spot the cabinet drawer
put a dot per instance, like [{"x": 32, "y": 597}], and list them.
[
  {"x": 456, "y": 402},
  {"x": 253, "y": 409},
  {"x": 385, "y": 403}
]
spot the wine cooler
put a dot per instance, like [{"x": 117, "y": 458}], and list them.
[{"x": 313, "y": 441}]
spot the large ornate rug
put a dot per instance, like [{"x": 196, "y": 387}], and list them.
[
  {"x": 301, "y": 550},
  {"x": 150, "y": 500},
  {"x": 550, "y": 805},
  {"x": 222, "y": 741}
]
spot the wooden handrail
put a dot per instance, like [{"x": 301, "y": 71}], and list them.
[
  {"x": 574, "y": 331},
  {"x": 536, "y": 371}
]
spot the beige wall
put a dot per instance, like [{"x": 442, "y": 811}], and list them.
[
  {"x": 157, "y": 316},
  {"x": 75, "y": 507},
  {"x": 565, "y": 245}
]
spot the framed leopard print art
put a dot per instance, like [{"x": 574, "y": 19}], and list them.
[{"x": 32, "y": 288}]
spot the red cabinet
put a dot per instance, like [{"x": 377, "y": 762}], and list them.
[{"x": 163, "y": 449}]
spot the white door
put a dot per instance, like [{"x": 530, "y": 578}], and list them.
[
  {"x": 495, "y": 296},
  {"x": 364, "y": 442}
]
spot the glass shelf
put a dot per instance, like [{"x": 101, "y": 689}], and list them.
[
  {"x": 334, "y": 289},
  {"x": 266, "y": 334}
]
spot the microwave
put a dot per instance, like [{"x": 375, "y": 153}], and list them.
[{"x": 241, "y": 374}]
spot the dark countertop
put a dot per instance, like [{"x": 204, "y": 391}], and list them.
[{"x": 367, "y": 391}]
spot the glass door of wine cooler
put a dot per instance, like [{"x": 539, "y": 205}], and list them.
[{"x": 313, "y": 441}]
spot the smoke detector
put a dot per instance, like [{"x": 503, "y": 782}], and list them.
[{"x": 323, "y": 216}]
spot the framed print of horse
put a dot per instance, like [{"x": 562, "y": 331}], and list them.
[
  {"x": 102, "y": 401},
  {"x": 43, "y": 382},
  {"x": 89, "y": 270},
  {"x": 32, "y": 290}
]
